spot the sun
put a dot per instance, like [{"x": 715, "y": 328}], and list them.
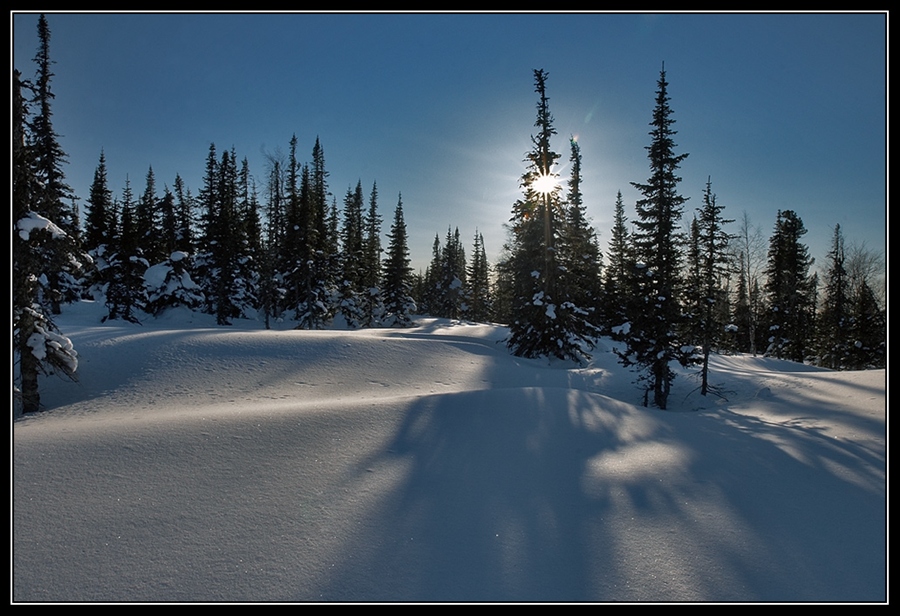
[{"x": 545, "y": 184}]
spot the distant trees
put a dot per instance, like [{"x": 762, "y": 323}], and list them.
[
  {"x": 124, "y": 274},
  {"x": 479, "y": 301}
]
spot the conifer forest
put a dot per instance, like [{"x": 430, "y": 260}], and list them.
[{"x": 679, "y": 277}]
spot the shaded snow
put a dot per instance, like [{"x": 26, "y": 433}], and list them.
[{"x": 202, "y": 463}]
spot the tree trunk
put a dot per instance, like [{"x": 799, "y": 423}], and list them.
[{"x": 28, "y": 368}]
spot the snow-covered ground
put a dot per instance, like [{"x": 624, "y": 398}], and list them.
[{"x": 199, "y": 463}]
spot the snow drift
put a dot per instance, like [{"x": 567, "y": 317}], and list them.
[{"x": 199, "y": 463}]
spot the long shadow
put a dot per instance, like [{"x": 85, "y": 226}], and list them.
[
  {"x": 548, "y": 494},
  {"x": 492, "y": 508}
]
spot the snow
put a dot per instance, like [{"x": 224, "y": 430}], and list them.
[
  {"x": 35, "y": 222},
  {"x": 195, "y": 463}
]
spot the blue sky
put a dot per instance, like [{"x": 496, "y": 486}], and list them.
[{"x": 781, "y": 111}]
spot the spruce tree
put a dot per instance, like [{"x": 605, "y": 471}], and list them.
[
  {"x": 64, "y": 260},
  {"x": 249, "y": 241},
  {"x": 184, "y": 225},
  {"x": 97, "y": 221},
  {"x": 478, "y": 286},
  {"x": 148, "y": 220},
  {"x": 169, "y": 285},
  {"x": 618, "y": 270},
  {"x": 38, "y": 345},
  {"x": 352, "y": 257},
  {"x": 432, "y": 296},
  {"x": 579, "y": 258},
  {"x": 311, "y": 242},
  {"x": 272, "y": 272},
  {"x": 207, "y": 199},
  {"x": 229, "y": 291},
  {"x": 834, "y": 321},
  {"x": 544, "y": 320},
  {"x": 399, "y": 305},
  {"x": 168, "y": 224},
  {"x": 789, "y": 289},
  {"x": 371, "y": 268},
  {"x": 99, "y": 227},
  {"x": 714, "y": 268},
  {"x": 653, "y": 341},
  {"x": 693, "y": 286}
]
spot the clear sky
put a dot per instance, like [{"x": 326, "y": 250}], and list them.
[{"x": 781, "y": 111}]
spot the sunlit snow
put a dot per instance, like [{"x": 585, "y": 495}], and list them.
[{"x": 192, "y": 462}]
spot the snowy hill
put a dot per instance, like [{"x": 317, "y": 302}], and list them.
[{"x": 199, "y": 463}]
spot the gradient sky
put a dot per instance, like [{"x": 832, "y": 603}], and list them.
[{"x": 781, "y": 111}]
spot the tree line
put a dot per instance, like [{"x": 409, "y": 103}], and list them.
[
  {"x": 673, "y": 291},
  {"x": 280, "y": 246}
]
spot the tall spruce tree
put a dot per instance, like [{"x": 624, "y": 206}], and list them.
[
  {"x": 579, "y": 257},
  {"x": 653, "y": 340},
  {"x": 789, "y": 289},
  {"x": 399, "y": 305},
  {"x": 99, "y": 227},
  {"x": 63, "y": 261},
  {"x": 352, "y": 257},
  {"x": 618, "y": 270},
  {"x": 230, "y": 292},
  {"x": 207, "y": 199},
  {"x": 834, "y": 321},
  {"x": 714, "y": 269},
  {"x": 373, "y": 302},
  {"x": 544, "y": 320},
  {"x": 312, "y": 268},
  {"x": 38, "y": 345}
]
